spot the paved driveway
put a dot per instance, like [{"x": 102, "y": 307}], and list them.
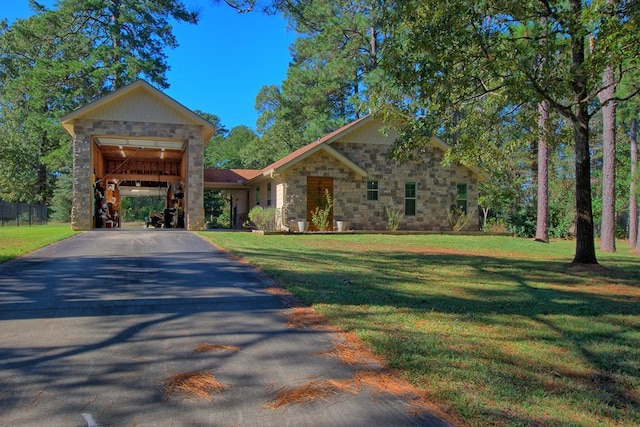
[{"x": 97, "y": 323}]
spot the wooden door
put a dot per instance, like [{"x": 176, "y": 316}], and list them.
[{"x": 316, "y": 187}]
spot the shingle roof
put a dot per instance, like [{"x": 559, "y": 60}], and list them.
[
  {"x": 238, "y": 175},
  {"x": 235, "y": 176}
]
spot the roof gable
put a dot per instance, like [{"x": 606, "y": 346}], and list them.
[
  {"x": 356, "y": 131},
  {"x": 138, "y": 102},
  {"x": 321, "y": 144}
]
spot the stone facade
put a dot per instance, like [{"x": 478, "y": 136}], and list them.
[
  {"x": 366, "y": 147},
  {"x": 436, "y": 188},
  {"x": 84, "y": 129}
]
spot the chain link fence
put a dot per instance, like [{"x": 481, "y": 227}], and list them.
[{"x": 15, "y": 213}]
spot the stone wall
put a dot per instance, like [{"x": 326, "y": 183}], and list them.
[
  {"x": 82, "y": 211},
  {"x": 436, "y": 187}
]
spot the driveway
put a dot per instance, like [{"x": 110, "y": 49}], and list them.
[{"x": 98, "y": 325}]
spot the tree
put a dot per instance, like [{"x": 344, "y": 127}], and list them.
[
  {"x": 450, "y": 56},
  {"x": 606, "y": 95},
  {"x": 328, "y": 79},
  {"x": 542, "y": 217},
  {"x": 634, "y": 225},
  {"x": 129, "y": 37},
  {"x": 60, "y": 59}
]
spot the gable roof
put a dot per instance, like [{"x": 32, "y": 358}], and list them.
[
  {"x": 321, "y": 144},
  {"x": 312, "y": 148},
  {"x": 144, "y": 93}
]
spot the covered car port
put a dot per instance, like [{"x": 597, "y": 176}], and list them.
[{"x": 137, "y": 141}]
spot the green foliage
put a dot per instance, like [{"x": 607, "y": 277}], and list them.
[
  {"x": 468, "y": 59},
  {"x": 136, "y": 209},
  {"x": 62, "y": 199},
  {"x": 262, "y": 218},
  {"x": 522, "y": 222},
  {"x": 495, "y": 225},
  {"x": 216, "y": 210},
  {"x": 320, "y": 215},
  {"x": 328, "y": 79},
  {"x": 394, "y": 216}
]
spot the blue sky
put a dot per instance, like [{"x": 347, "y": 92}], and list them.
[{"x": 221, "y": 63}]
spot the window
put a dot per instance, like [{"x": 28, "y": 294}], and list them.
[
  {"x": 372, "y": 190},
  {"x": 268, "y": 194},
  {"x": 461, "y": 199},
  {"x": 410, "y": 198},
  {"x": 257, "y": 195}
]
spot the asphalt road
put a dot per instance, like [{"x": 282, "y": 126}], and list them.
[{"x": 98, "y": 323}]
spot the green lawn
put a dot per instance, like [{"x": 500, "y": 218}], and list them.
[
  {"x": 16, "y": 241},
  {"x": 497, "y": 330}
]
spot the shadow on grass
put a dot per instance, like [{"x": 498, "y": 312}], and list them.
[{"x": 508, "y": 331}]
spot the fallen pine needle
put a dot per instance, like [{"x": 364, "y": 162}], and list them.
[
  {"x": 347, "y": 354},
  {"x": 310, "y": 391},
  {"x": 386, "y": 383},
  {"x": 303, "y": 317},
  {"x": 193, "y": 384}
]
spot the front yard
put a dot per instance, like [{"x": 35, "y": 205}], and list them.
[{"x": 496, "y": 330}]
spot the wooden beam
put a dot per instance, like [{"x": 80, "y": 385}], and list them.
[{"x": 142, "y": 177}]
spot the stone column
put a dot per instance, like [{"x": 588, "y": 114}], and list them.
[
  {"x": 195, "y": 182},
  {"x": 82, "y": 210}
]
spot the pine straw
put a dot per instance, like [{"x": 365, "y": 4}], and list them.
[
  {"x": 352, "y": 351},
  {"x": 345, "y": 354},
  {"x": 323, "y": 389},
  {"x": 205, "y": 346},
  {"x": 307, "y": 317},
  {"x": 385, "y": 382},
  {"x": 193, "y": 384},
  {"x": 309, "y": 392}
]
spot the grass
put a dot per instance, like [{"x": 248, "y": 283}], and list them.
[
  {"x": 17, "y": 241},
  {"x": 496, "y": 330}
]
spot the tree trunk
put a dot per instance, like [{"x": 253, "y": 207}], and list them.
[
  {"x": 585, "y": 247},
  {"x": 633, "y": 200},
  {"x": 542, "y": 218},
  {"x": 608, "y": 227}
]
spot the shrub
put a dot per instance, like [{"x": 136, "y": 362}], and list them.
[
  {"x": 495, "y": 225},
  {"x": 262, "y": 218},
  {"x": 320, "y": 216},
  {"x": 394, "y": 216},
  {"x": 458, "y": 219}
]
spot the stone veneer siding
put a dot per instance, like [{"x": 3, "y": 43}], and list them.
[
  {"x": 84, "y": 129},
  {"x": 436, "y": 187}
]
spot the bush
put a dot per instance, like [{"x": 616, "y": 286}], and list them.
[
  {"x": 320, "y": 216},
  {"x": 458, "y": 219},
  {"x": 262, "y": 218},
  {"x": 394, "y": 216},
  {"x": 495, "y": 225}
]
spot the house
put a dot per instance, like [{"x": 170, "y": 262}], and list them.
[{"x": 352, "y": 164}]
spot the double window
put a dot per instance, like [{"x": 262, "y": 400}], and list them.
[
  {"x": 372, "y": 190},
  {"x": 410, "y": 196}
]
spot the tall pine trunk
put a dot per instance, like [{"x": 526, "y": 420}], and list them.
[
  {"x": 542, "y": 217},
  {"x": 608, "y": 227},
  {"x": 634, "y": 226},
  {"x": 585, "y": 246}
]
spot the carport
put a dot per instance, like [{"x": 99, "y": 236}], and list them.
[{"x": 137, "y": 141}]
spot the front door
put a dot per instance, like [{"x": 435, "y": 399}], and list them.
[{"x": 317, "y": 186}]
